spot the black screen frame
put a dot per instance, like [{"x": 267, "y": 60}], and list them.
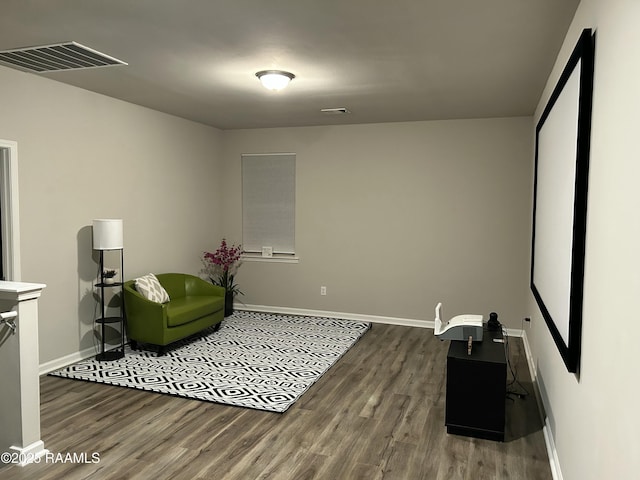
[{"x": 582, "y": 57}]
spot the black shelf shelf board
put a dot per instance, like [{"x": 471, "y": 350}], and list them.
[
  {"x": 109, "y": 320},
  {"x": 110, "y": 355},
  {"x": 114, "y": 284}
]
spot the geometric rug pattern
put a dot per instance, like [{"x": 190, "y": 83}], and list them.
[{"x": 255, "y": 360}]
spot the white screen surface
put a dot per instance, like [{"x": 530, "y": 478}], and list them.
[{"x": 555, "y": 190}]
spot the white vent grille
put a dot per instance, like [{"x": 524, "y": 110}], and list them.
[
  {"x": 335, "y": 111},
  {"x": 53, "y": 58}
]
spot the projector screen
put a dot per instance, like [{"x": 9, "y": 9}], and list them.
[{"x": 560, "y": 202}]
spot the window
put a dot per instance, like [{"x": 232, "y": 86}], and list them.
[{"x": 268, "y": 204}]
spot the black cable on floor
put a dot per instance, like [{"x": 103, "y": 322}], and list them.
[{"x": 513, "y": 370}]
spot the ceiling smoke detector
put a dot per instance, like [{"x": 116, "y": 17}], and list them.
[
  {"x": 56, "y": 57},
  {"x": 335, "y": 111}
]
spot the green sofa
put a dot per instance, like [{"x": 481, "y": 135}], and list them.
[{"x": 194, "y": 305}]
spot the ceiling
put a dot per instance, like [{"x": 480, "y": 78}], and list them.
[{"x": 386, "y": 61}]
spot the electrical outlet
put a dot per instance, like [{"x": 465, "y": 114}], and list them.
[{"x": 323, "y": 290}]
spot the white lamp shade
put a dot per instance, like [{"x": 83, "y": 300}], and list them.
[{"x": 108, "y": 234}]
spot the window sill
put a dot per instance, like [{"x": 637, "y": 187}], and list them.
[{"x": 277, "y": 258}]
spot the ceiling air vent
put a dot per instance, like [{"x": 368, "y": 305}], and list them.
[
  {"x": 335, "y": 111},
  {"x": 54, "y": 58}
]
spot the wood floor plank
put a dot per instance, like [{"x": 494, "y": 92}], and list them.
[
  {"x": 399, "y": 462},
  {"x": 378, "y": 414}
]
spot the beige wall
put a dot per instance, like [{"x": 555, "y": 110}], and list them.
[
  {"x": 393, "y": 218},
  {"x": 83, "y": 156},
  {"x": 594, "y": 417}
]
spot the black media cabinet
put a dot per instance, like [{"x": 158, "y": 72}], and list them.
[{"x": 476, "y": 388}]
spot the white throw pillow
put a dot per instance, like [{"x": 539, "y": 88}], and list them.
[{"x": 150, "y": 288}]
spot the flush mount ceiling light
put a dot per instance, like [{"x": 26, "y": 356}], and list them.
[{"x": 275, "y": 79}]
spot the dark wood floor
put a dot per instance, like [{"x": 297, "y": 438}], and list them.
[{"x": 377, "y": 414}]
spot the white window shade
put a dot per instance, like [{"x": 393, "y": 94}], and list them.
[{"x": 268, "y": 202}]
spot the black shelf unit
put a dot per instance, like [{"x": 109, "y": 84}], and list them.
[
  {"x": 477, "y": 388},
  {"x": 116, "y": 353}
]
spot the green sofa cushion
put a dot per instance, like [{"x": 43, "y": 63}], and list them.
[{"x": 186, "y": 309}]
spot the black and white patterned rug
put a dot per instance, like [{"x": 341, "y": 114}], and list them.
[{"x": 255, "y": 360}]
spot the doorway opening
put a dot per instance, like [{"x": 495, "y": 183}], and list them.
[{"x": 9, "y": 218}]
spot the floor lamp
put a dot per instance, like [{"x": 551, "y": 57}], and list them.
[{"x": 108, "y": 235}]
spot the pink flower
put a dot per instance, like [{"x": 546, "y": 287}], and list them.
[
  {"x": 221, "y": 266},
  {"x": 224, "y": 256}
]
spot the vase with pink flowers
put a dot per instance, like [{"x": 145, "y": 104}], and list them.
[{"x": 221, "y": 267}]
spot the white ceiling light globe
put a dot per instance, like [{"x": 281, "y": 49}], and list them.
[{"x": 275, "y": 79}]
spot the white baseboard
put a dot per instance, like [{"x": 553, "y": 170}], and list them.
[
  {"x": 552, "y": 453},
  {"x": 67, "y": 360},
  {"x": 406, "y": 322},
  {"x": 29, "y": 454},
  {"x": 527, "y": 350},
  {"x": 514, "y": 332}
]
